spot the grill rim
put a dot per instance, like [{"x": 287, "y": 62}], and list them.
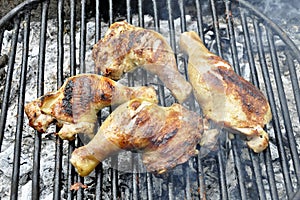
[{"x": 277, "y": 29}]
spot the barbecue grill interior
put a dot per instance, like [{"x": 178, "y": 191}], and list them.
[{"x": 45, "y": 46}]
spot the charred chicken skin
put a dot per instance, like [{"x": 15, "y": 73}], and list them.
[
  {"x": 226, "y": 98},
  {"x": 126, "y": 47},
  {"x": 75, "y": 105},
  {"x": 166, "y": 136}
]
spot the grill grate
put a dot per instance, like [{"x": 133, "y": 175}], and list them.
[{"x": 271, "y": 57}]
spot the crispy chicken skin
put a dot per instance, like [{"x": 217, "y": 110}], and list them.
[
  {"x": 75, "y": 105},
  {"x": 126, "y": 47},
  {"x": 226, "y": 98},
  {"x": 166, "y": 136}
]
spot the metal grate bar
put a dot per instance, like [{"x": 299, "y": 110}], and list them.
[
  {"x": 271, "y": 98},
  {"x": 284, "y": 106},
  {"x": 141, "y": 23},
  {"x": 42, "y": 48},
  {"x": 82, "y": 69},
  {"x": 135, "y": 178},
  {"x": 73, "y": 37},
  {"x": 60, "y": 43},
  {"x": 71, "y": 144},
  {"x": 183, "y": 29},
  {"x": 40, "y": 92},
  {"x": 1, "y": 41},
  {"x": 114, "y": 178},
  {"x": 170, "y": 185},
  {"x": 182, "y": 16},
  {"x": 58, "y": 140},
  {"x": 141, "y": 16},
  {"x": 82, "y": 37},
  {"x": 80, "y": 194},
  {"x": 171, "y": 26},
  {"x": 9, "y": 74},
  {"x": 216, "y": 27},
  {"x": 294, "y": 49},
  {"x": 149, "y": 186},
  {"x": 222, "y": 180},
  {"x": 201, "y": 182},
  {"x": 8, "y": 80},
  {"x": 254, "y": 78},
  {"x": 58, "y": 168},
  {"x": 187, "y": 176},
  {"x": 20, "y": 118},
  {"x": 232, "y": 37},
  {"x": 200, "y": 20},
  {"x": 128, "y": 11},
  {"x": 239, "y": 168},
  {"x": 71, "y": 171},
  {"x": 295, "y": 85},
  {"x": 258, "y": 185},
  {"x": 9, "y": 16},
  {"x": 156, "y": 22},
  {"x": 161, "y": 92},
  {"x": 270, "y": 173},
  {"x": 249, "y": 51},
  {"x": 99, "y": 181},
  {"x": 97, "y": 22},
  {"x": 110, "y": 12}
]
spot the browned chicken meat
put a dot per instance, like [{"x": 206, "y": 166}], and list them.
[
  {"x": 126, "y": 47},
  {"x": 226, "y": 98},
  {"x": 166, "y": 136},
  {"x": 75, "y": 105}
]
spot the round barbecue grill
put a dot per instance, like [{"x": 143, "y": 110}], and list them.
[{"x": 39, "y": 50}]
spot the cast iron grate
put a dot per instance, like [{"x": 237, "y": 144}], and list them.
[{"x": 272, "y": 61}]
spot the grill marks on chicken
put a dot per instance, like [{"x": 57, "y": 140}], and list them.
[
  {"x": 226, "y": 98},
  {"x": 126, "y": 47},
  {"x": 75, "y": 105},
  {"x": 251, "y": 98},
  {"x": 166, "y": 136}
]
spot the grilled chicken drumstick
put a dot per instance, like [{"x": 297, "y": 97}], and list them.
[
  {"x": 75, "y": 105},
  {"x": 126, "y": 47},
  {"x": 226, "y": 98},
  {"x": 166, "y": 136}
]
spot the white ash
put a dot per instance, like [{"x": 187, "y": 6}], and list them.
[{"x": 48, "y": 143}]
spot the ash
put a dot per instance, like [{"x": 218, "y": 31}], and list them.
[{"x": 179, "y": 174}]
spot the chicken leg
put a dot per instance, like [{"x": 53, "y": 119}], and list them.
[
  {"x": 126, "y": 47},
  {"x": 76, "y": 104},
  {"x": 226, "y": 98},
  {"x": 166, "y": 136}
]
